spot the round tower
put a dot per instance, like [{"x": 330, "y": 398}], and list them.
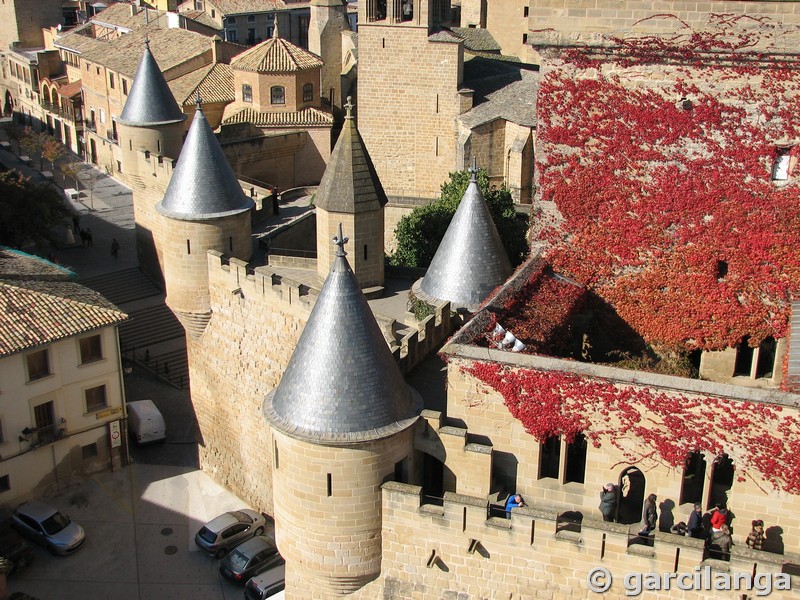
[
  {"x": 351, "y": 193},
  {"x": 151, "y": 123},
  {"x": 203, "y": 209},
  {"x": 341, "y": 422},
  {"x": 151, "y": 119}
]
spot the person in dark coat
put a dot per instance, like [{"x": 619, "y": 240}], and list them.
[
  {"x": 755, "y": 539},
  {"x": 608, "y": 501},
  {"x": 695, "y": 525},
  {"x": 649, "y": 515}
]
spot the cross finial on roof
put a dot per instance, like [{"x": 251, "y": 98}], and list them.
[
  {"x": 474, "y": 170},
  {"x": 198, "y": 101},
  {"x": 348, "y": 107},
  {"x": 340, "y": 241},
  {"x": 147, "y": 41}
]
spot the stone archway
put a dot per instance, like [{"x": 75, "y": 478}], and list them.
[
  {"x": 8, "y": 105},
  {"x": 632, "y": 485}
]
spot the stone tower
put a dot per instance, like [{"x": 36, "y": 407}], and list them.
[
  {"x": 151, "y": 123},
  {"x": 351, "y": 195},
  {"x": 471, "y": 260},
  {"x": 328, "y": 21},
  {"x": 341, "y": 421},
  {"x": 204, "y": 209},
  {"x": 410, "y": 72}
]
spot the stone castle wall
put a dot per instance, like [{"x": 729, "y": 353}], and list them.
[
  {"x": 364, "y": 250},
  {"x": 239, "y": 359},
  {"x": 455, "y": 551}
]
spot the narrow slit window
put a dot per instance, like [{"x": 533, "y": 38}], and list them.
[
  {"x": 188, "y": 246},
  {"x": 330, "y": 485},
  {"x": 275, "y": 453},
  {"x": 230, "y": 243},
  {"x": 365, "y": 252}
]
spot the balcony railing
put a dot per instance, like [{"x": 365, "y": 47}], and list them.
[
  {"x": 90, "y": 125},
  {"x": 43, "y": 435}
]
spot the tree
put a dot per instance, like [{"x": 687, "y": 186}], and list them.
[
  {"x": 420, "y": 233},
  {"x": 29, "y": 213},
  {"x": 89, "y": 177},
  {"x": 52, "y": 150},
  {"x": 72, "y": 170},
  {"x": 33, "y": 142}
]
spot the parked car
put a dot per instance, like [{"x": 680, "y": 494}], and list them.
[
  {"x": 45, "y": 525},
  {"x": 228, "y": 530},
  {"x": 145, "y": 422},
  {"x": 250, "y": 558},
  {"x": 267, "y": 586},
  {"x": 15, "y": 552}
]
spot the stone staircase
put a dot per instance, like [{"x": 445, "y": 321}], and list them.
[{"x": 152, "y": 338}]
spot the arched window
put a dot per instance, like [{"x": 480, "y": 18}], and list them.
[
  {"x": 247, "y": 93},
  {"x": 277, "y": 95},
  {"x": 308, "y": 92}
]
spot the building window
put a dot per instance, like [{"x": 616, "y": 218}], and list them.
[
  {"x": 308, "y": 92},
  {"x": 213, "y": 14},
  {"x": 102, "y": 116},
  {"x": 5, "y": 484},
  {"x": 780, "y": 169},
  {"x": 231, "y": 20},
  {"x": 277, "y": 95},
  {"x": 247, "y": 93},
  {"x": 575, "y": 468},
  {"x": 2, "y": 433},
  {"x": 524, "y": 38},
  {"x": 91, "y": 349},
  {"x": 125, "y": 86},
  {"x": 95, "y": 398},
  {"x": 524, "y": 11},
  {"x": 38, "y": 365},
  {"x": 251, "y": 18},
  {"x": 111, "y": 80},
  {"x": 230, "y": 35},
  {"x": 694, "y": 477},
  {"x": 89, "y": 451},
  {"x": 549, "y": 458}
]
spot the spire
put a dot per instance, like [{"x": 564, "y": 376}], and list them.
[
  {"x": 350, "y": 183},
  {"x": 342, "y": 384},
  {"x": 471, "y": 260},
  {"x": 203, "y": 185},
  {"x": 150, "y": 102},
  {"x": 275, "y": 34}
]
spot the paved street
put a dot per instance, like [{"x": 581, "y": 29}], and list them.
[{"x": 140, "y": 524}]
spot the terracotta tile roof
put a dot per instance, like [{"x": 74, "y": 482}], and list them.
[
  {"x": 170, "y": 47},
  {"x": 69, "y": 90},
  {"x": 246, "y": 7},
  {"x": 119, "y": 15},
  {"x": 309, "y": 117},
  {"x": 15, "y": 264},
  {"x": 276, "y": 55},
  {"x": 203, "y": 18},
  {"x": 78, "y": 40},
  {"x": 34, "y": 313},
  {"x": 215, "y": 83}
]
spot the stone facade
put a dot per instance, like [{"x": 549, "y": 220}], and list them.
[
  {"x": 22, "y": 21},
  {"x": 365, "y": 255},
  {"x": 415, "y": 155}
]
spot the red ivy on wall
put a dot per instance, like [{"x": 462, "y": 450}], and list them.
[
  {"x": 664, "y": 427},
  {"x": 661, "y": 182}
]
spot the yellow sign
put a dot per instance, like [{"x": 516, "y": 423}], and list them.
[{"x": 107, "y": 412}]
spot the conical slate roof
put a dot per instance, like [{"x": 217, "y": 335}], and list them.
[
  {"x": 342, "y": 385},
  {"x": 350, "y": 183},
  {"x": 471, "y": 260},
  {"x": 150, "y": 102},
  {"x": 203, "y": 185}
]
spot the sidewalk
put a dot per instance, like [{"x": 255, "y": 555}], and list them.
[{"x": 107, "y": 211}]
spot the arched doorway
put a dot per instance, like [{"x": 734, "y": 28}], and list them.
[
  {"x": 8, "y": 105},
  {"x": 437, "y": 479},
  {"x": 631, "y": 496}
]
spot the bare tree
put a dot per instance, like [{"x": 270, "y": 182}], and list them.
[
  {"x": 89, "y": 177},
  {"x": 72, "y": 170},
  {"x": 52, "y": 150}
]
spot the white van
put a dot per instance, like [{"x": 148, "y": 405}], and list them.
[{"x": 145, "y": 422}]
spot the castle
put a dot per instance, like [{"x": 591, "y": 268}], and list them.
[{"x": 374, "y": 493}]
